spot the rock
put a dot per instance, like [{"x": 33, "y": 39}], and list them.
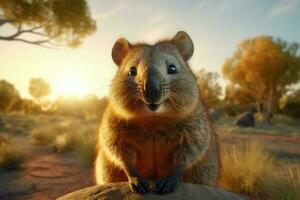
[
  {"x": 185, "y": 191},
  {"x": 246, "y": 120}
]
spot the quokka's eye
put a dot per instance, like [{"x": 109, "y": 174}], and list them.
[
  {"x": 132, "y": 71},
  {"x": 172, "y": 69}
]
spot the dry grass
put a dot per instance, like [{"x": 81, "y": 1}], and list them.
[
  {"x": 283, "y": 187},
  {"x": 243, "y": 167},
  {"x": 249, "y": 169},
  {"x": 11, "y": 157}
]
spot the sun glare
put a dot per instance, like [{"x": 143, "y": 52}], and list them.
[{"x": 74, "y": 86}]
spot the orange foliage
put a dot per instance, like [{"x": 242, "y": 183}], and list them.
[{"x": 264, "y": 67}]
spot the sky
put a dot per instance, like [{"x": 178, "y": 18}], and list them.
[{"x": 215, "y": 26}]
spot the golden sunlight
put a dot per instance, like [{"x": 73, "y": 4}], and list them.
[{"x": 71, "y": 85}]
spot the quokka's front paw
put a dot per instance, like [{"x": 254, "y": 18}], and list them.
[
  {"x": 139, "y": 185},
  {"x": 167, "y": 185}
]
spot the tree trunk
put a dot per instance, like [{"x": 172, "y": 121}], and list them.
[
  {"x": 264, "y": 109},
  {"x": 259, "y": 107},
  {"x": 268, "y": 111},
  {"x": 268, "y": 117}
]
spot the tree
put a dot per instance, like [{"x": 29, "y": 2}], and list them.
[
  {"x": 8, "y": 96},
  {"x": 264, "y": 68},
  {"x": 210, "y": 88},
  {"x": 49, "y": 21},
  {"x": 238, "y": 97},
  {"x": 39, "y": 88}
]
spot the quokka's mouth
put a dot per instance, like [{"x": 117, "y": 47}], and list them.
[{"x": 153, "y": 106}]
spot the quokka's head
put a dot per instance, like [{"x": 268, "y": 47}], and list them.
[{"x": 154, "y": 80}]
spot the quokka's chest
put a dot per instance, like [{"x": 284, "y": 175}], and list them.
[
  {"x": 156, "y": 156},
  {"x": 154, "y": 140}
]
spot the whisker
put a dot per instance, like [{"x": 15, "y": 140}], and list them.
[{"x": 182, "y": 78}]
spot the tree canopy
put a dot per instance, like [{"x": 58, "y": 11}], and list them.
[
  {"x": 39, "y": 88},
  {"x": 264, "y": 68},
  {"x": 49, "y": 21},
  {"x": 8, "y": 95}
]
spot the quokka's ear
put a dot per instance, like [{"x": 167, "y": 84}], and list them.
[
  {"x": 184, "y": 44},
  {"x": 120, "y": 50}
]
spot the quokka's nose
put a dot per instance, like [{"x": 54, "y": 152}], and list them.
[{"x": 152, "y": 87}]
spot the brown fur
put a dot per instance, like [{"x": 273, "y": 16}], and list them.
[{"x": 153, "y": 143}]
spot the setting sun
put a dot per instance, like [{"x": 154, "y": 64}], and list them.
[{"x": 73, "y": 85}]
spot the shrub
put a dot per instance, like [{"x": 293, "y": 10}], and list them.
[
  {"x": 69, "y": 135},
  {"x": 11, "y": 158},
  {"x": 54, "y": 132},
  {"x": 81, "y": 140},
  {"x": 42, "y": 136},
  {"x": 65, "y": 141},
  {"x": 8, "y": 96}
]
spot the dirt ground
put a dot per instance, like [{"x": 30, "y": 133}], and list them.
[{"x": 47, "y": 174}]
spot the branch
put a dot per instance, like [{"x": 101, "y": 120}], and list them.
[
  {"x": 37, "y": 42},
  {"x": 22, "y": 31},
  {"x": 34, "y": 31}
]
